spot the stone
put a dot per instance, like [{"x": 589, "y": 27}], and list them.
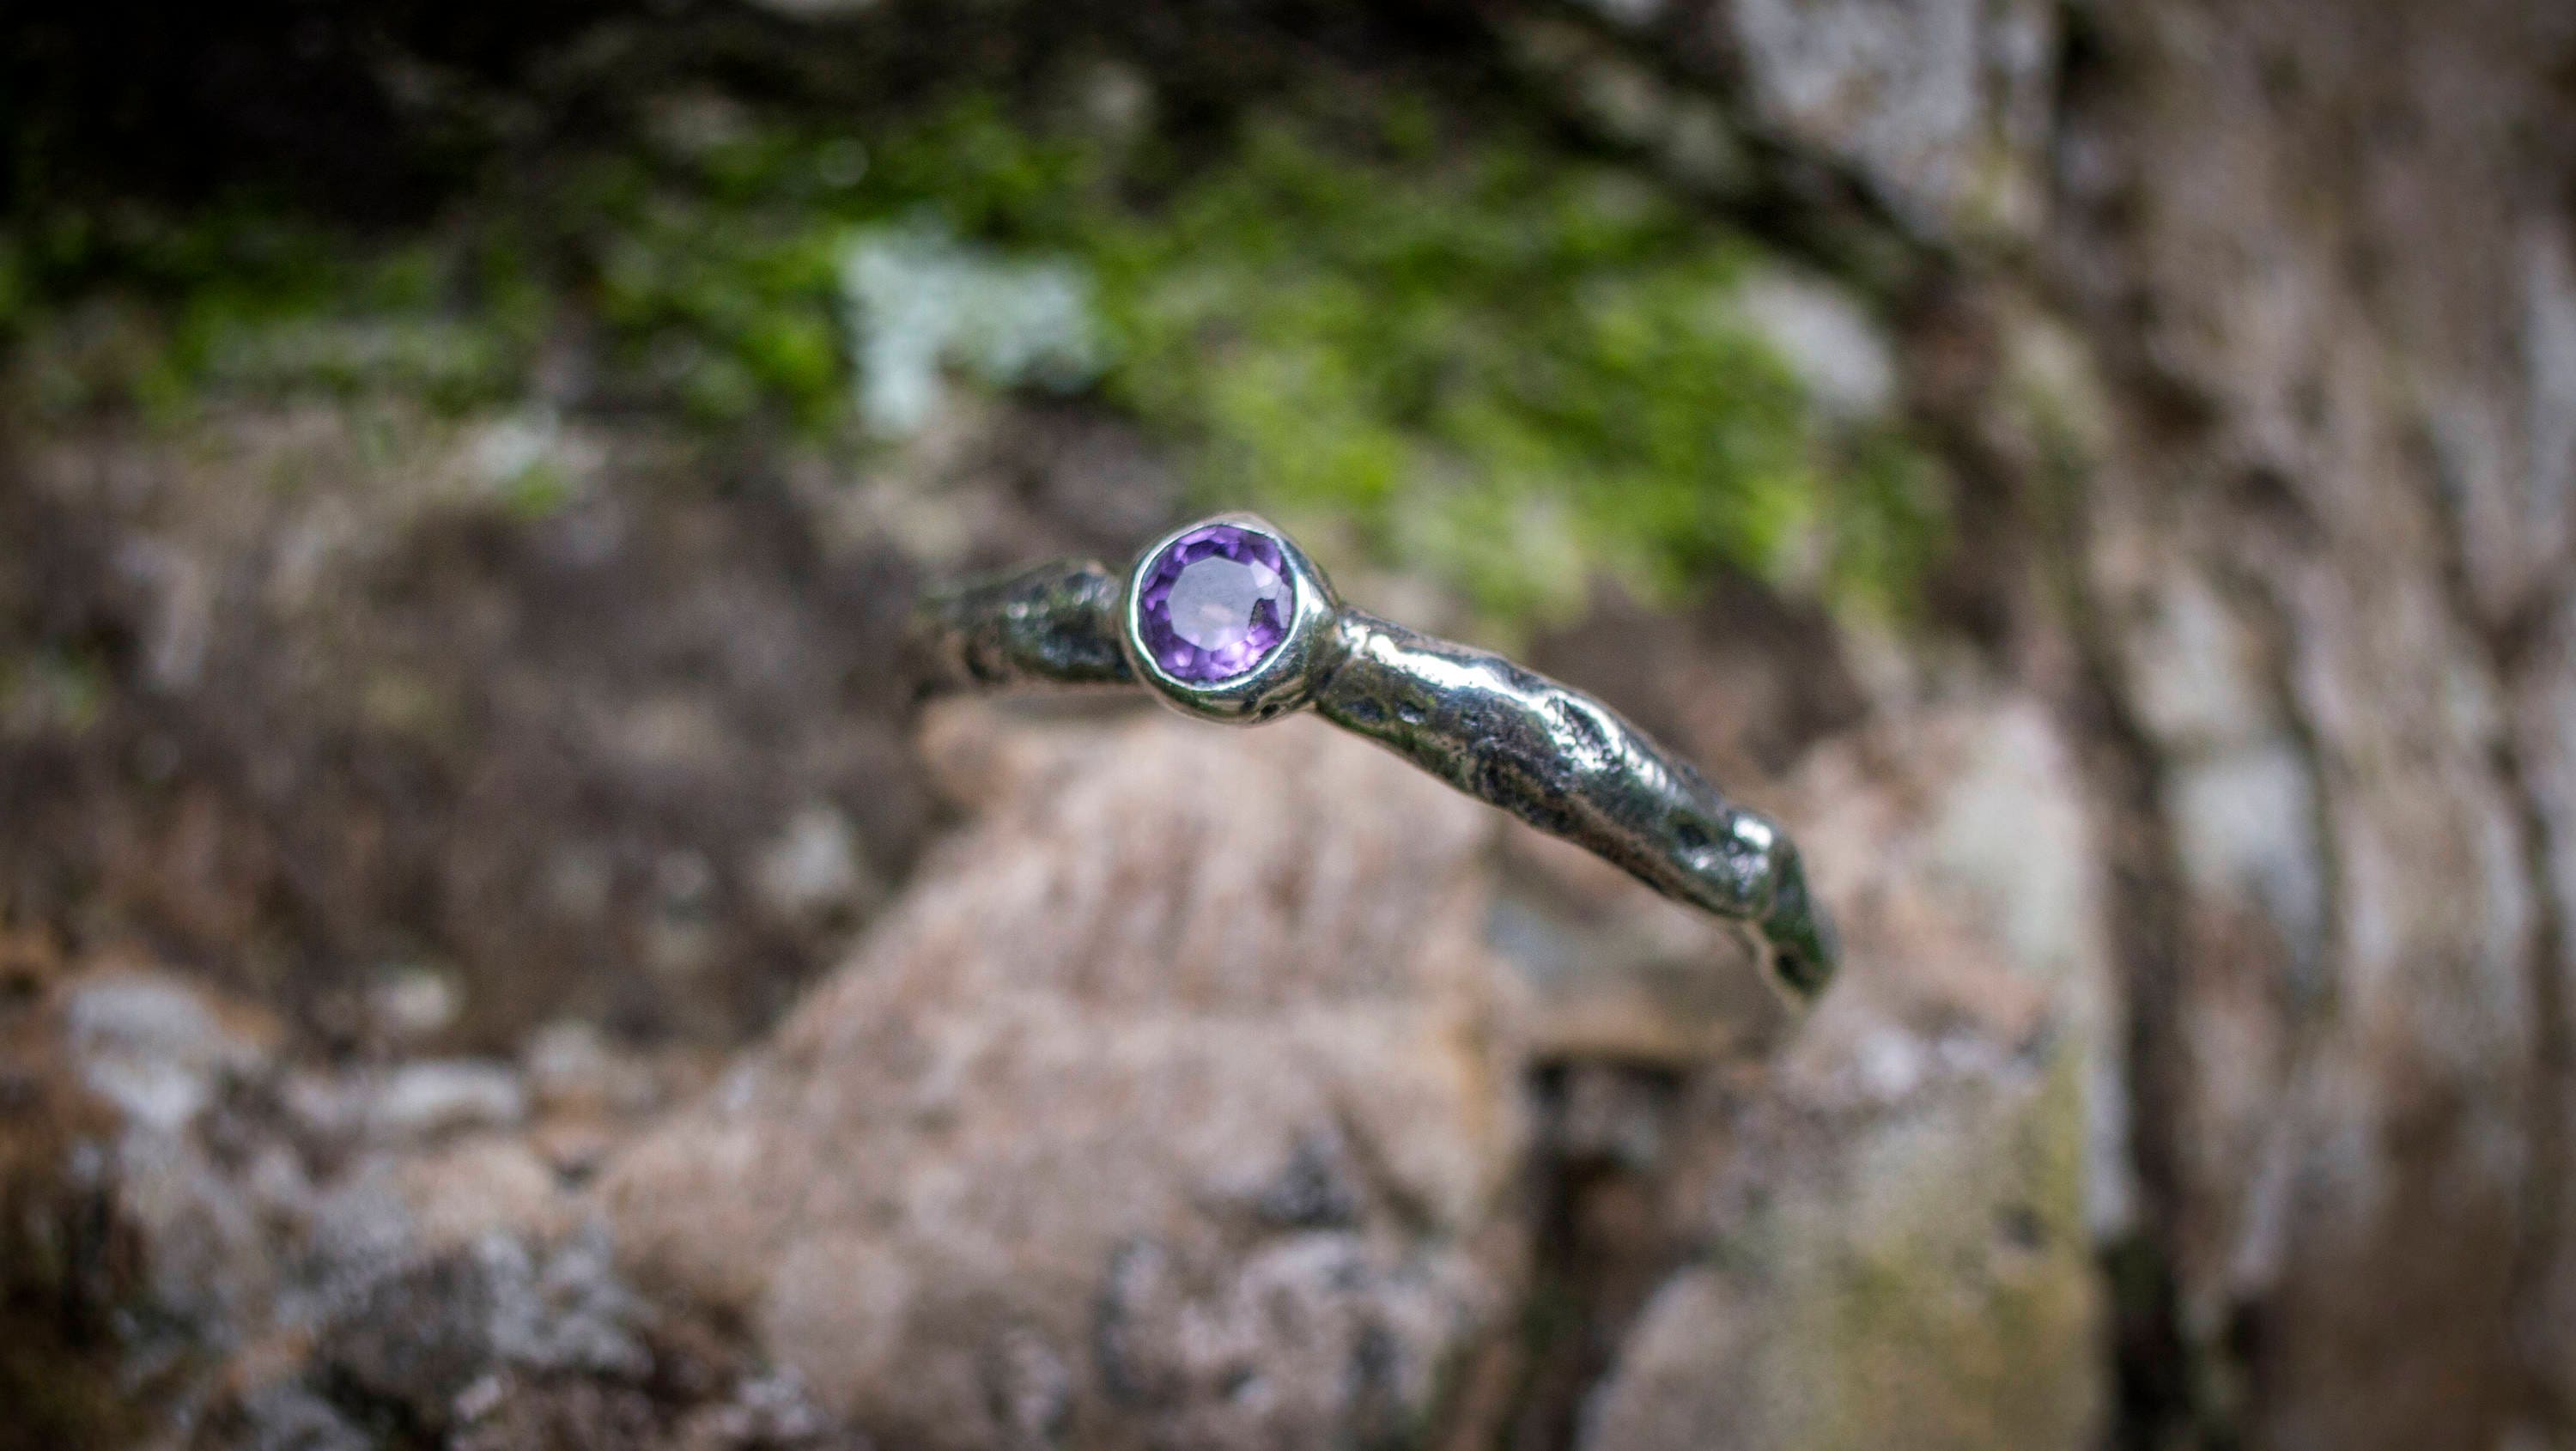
[
  {"x": 1139, "y": 1118},
  {"x": 1838, "y": 352},
  {"x": 1920, "y": 1279},
  {"x": 2348, "y": 1028},
  {"x": 427, "y": 1099},
  {"x": 456, "y": 1194},
  {"x": 1215, "y": 603},
  {"x": 919, "y": 299},
  {"x": 814, "y": 868},
  {"x": 1940, "y": 107},
  {"x": 155, "y": 1047},
  {"x": 1888, "y": 1237}
]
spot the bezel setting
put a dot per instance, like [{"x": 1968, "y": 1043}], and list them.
[{"x": 1279, "y": 682}]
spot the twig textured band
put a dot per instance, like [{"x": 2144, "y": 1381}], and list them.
[{"x": 1228, "y": 620}]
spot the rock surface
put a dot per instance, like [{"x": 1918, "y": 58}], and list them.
[
  {"x": 2325, "y": 503},
  {"x": 2206, "y": 1064},
  {"x": 1174, "y": 1105},
  {"x": 1888, "y": 1239},
  {"x": 252, "y": 1254}
]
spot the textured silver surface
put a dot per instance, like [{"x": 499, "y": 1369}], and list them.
[
  {"x": 1057, "y": 624},
  {"x": 1551, "y": 755}
]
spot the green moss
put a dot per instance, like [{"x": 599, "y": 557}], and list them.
[
  {"x": 51, "y": 692},
  {"x": 1883, "y": 497},
  {"x": 539, "y": 491},
  {"x": 1430, "y": 342},
  {"x": 1510, "y": 367},
  {"x": 1449, "y": 352},
  {"x": 236, "y": 301}
]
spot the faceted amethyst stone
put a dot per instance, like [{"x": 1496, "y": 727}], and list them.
[{"x": 1215, "y": 603}]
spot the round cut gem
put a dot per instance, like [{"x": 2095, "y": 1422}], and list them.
[{"x": 1215, "y": 603}]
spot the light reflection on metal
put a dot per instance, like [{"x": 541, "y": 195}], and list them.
[{"x": 1552, "y": 756}]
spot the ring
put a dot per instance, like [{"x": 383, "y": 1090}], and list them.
[{"x": 1226, "y": 619}]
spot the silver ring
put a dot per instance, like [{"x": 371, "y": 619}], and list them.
[{"x": 1226, "y": 619}]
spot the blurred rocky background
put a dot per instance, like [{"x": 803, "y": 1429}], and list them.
[{"x": 493, "y": 956}]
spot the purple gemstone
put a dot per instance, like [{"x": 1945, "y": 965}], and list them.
[{"x": 1215, "y": 603}]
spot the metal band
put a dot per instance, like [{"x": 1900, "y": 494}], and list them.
[{"x": 1552, "y": 756}]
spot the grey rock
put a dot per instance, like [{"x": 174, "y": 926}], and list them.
[
  {"x": 813, "y": 867},
  {"x": 1921, "y": 1280},
  {"x": 1889, "y": 1238},
  {"x": 1307, "y": 1336},
  {"x": 427, "y": 1099},
  {"x": 288, "y": 1416},
  {"x": 567, "y": 1311},
  {"x": 920, "y": 299},
  {"x": 1843, "y": 356},
  {"x": 1148, "y": 1111},
  {"x": 432, "y": 1340},
  {"x": 415, "y": 1341},
  {"x": 1939, "y": 104},
  {"x": 155, "y": 1047},
  {"x": 2359, "y": 486}
]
